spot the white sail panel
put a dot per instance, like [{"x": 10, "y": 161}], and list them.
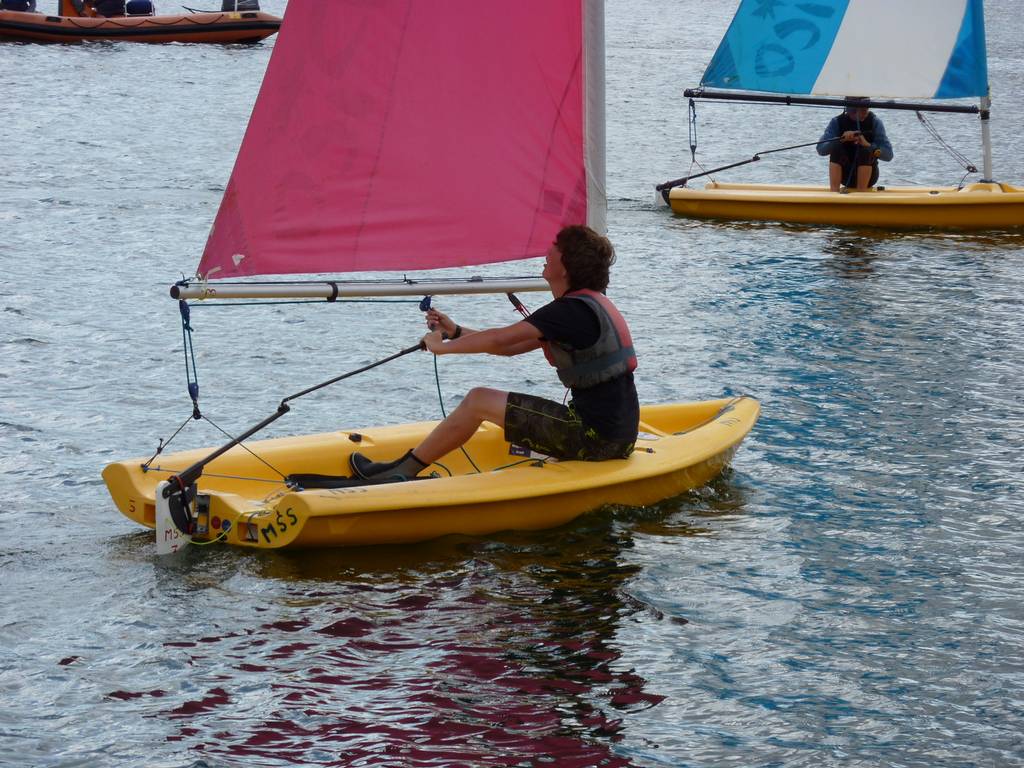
[{"x": 900, "y": 57}]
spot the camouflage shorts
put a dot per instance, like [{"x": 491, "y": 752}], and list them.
[{"x": 554, "y": 429}]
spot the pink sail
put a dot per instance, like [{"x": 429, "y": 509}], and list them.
[{"x": 414, "y": 134}]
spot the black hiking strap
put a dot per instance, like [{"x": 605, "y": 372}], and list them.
[{"x": 311, "y": 481}]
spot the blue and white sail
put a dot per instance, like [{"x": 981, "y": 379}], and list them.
[{"x": 933, "y": 49}]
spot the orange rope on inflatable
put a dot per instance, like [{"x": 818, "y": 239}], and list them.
[{"x": 149, "y": 21}]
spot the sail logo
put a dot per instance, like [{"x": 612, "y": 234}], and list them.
[
  {"x": 775, "y": 60},
  {"x": 773, "y": 45}
]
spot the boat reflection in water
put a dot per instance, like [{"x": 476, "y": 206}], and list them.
[{"x": 454, "y": 650}]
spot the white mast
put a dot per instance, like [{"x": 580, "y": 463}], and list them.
[
  {"x": 594, "y": 106},
  {"x": 986, "y": 139}
]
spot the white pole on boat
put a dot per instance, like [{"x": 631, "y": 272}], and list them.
[
  {"x": 329, "y": 290},
  {"x": 986, "y": 139}
]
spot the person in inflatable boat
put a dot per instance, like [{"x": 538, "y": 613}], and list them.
[
  {"x": 583, "y": 337},
  {"x": 854, "y": 141},
  {"x": 106, "y": 8}
]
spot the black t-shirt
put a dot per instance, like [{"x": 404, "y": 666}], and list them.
[{"x": 611, "y": 407}]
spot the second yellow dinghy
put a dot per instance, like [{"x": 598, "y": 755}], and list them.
[
  {"x": 240, "y": 500},
  {"x": 846, "y": 53},
  {"x": 973, "y": 207}
]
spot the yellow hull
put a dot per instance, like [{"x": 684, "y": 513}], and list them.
[
  {"x": 976, "y": 206},
  {"x": 686, "y": 445}
]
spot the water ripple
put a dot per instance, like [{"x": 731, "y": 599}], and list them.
[{"x": 847, "y": 594}]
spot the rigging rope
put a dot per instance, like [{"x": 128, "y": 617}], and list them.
[
  {"x": 664, "y": 188},
  {"x": 681, "y": 182},
  {"x": 966, "y": 164},
  {"x": 444, "y": 415},
  {"x": 693, "y": 132},
  {"x": 692, "y": 122},
  {"x": 162, "y": 445},
  {"x": 191, "y": 374},
  {"x": 192, "y": 381},
  {"x": 242, "y": 445},
  {"x": 193, "y": 390}
]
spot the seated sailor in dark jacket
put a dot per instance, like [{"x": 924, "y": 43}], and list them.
[{"x": 854, "y": 141}]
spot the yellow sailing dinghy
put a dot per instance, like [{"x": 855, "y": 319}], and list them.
[
  {"x": 349, "y": 135},
  {"x": 241, "y": 501},
  {"x": 978, "y": 206},
  {"x": 933, "y": 49}
]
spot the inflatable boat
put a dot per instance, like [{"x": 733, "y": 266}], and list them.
[
  {"x": 134, "y": 21},
  {"x": 254, "y": 496}
]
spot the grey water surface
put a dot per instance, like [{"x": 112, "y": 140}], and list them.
[{"x": 849, "y": 593}]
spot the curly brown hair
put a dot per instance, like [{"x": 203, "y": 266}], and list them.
[{"x": 586, "y": 256}]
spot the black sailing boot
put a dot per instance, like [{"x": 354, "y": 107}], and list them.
[{"x": 405, "y": 468}]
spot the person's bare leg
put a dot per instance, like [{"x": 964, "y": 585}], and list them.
[
  {"x": 480, "y": 404},
  {"x": 835, "y": 176},
  {"x": 863, "y": 177}
]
